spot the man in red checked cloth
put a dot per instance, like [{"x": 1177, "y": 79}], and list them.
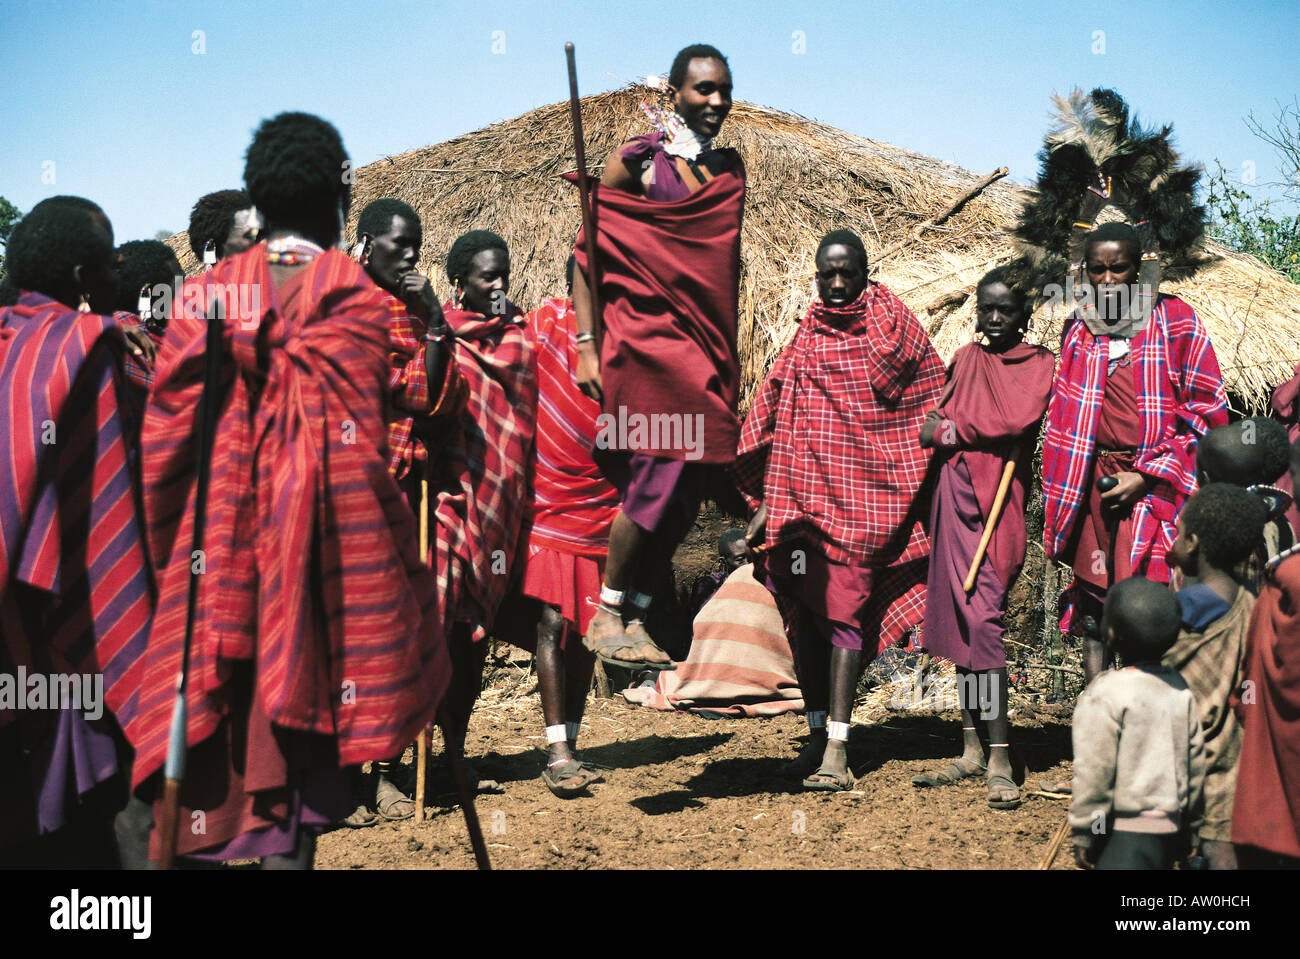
[
  {"x": 830, "y": 461},
  {"x": 316, "y": 642},
  {"x": 662, "y": 359},
  {"x": 429, "y": 394},
  {"x": 1130, "y": 403}
]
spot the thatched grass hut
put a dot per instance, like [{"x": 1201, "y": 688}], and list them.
[{"x": 804, "y": 179}]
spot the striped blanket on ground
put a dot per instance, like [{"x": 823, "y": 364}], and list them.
[{"x": 740, "y": 664}]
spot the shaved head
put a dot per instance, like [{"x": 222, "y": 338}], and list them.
[
  {"x": 1140, "y": 620},
  {"x": 1244, "y": 453}
]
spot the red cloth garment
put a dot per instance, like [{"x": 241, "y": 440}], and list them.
[
  {"x": 1180, "y": 396},
  {"x": 830, "y": 443},
  {"x": 69, "y": 525},
  {"x": 669, "y": 288},
  {"x": 312, "y": 564},
  {"x": 993, "y": 407},
  {"x": 75, "y": 592},
  {"x": 573, "y": 504},
  {"x": 139, "y": 376},
  {"x": 1286, "y": 407},
  {"x": 1266, "y": 809},
  {"x": 409, "y": 382},
  {"x": 482, "y": 488}
]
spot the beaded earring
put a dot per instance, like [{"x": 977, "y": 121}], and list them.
[
  {"x": 84, "y": 305},
  {"x": 457, "y": 295},
  {"x": 209, "y": 254}
]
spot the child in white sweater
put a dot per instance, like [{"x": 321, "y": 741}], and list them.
[{"x": 1139, "y": 756}]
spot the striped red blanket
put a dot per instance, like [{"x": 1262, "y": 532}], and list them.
[
  {"x": 1180, "y": 397},
  {"x": 573, "y": 504},
  {"x": 312, "y": 566},
  {"x": 483, "y": 493},
  {"x": 740, "y": 663},
  {"x": 69, "y": 527}
]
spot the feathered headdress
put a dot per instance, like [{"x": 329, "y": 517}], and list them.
[{"x": 1095, "y": 156}]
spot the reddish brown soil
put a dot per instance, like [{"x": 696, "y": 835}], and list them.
[{"x": 684, "y": 792}]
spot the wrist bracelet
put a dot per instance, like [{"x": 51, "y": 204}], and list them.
[
  {"x": 585, "y": 338},
  {"x": 438, "y": 333}
]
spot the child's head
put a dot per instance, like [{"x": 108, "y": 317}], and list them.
[
  {"x": 1002, "y": 307},
  {"x": 1217, "y": 529},
  {"x": 731, "y": 548},
  {"x": 1140, "y": 620},
  {"x": 1245, "y": 453}
]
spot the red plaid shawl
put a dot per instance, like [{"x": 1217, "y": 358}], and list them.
[
  {"x": 482, "y": 505},
  {"x": 312, "y": 562},
  {"x": 573, "y": 504},
  {"x": 1180, "y": 395},
  {"x": 831, "y": 440},
  {"x": 409, "y": 382},
  {"x": 69, "y": 525}
]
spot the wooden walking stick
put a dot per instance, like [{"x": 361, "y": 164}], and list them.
[
  {"x": 1004, "y": 484},
  {"x": 422, "y": 744},
  {"x": 584, "y": 192},
  {"x": 1049, "y": 857},
  {"x": 177, "y": 744}
]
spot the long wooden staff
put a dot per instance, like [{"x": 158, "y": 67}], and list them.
[
  {"x": 177, "y": 746},
  {"x": 422, "y": 744},
  {"x": 991, "y": 523},
  {"x": 1049, "y": 857},
  {"x": 584, "y": 193}
]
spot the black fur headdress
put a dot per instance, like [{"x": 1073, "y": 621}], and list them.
[{"x": 1097, "y": 156}]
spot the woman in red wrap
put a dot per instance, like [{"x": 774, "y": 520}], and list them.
[
  {"x": 662, "y": 359},
  {"x": 316, "y": 642},
  {"x": 75, "y": 592},
  {"x": 994, "y": 400},
  {"x": 829, "y": 462}
]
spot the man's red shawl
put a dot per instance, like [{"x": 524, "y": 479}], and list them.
[
  {"x": 669, "y": 289},
  {"x": 311, "y": 556}
]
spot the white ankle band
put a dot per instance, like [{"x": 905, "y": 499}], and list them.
[
  {"x": 556, "y": 734},
  {"x": 817, "y": 718},
  {"x": 641, "y": 601},
  {"x": 611, "y": 597},
  {"x": 838, "y": 731},
  {"x": 571, "y": 730}
]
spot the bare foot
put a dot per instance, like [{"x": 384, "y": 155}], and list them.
[{"x": 646, "y": 650}]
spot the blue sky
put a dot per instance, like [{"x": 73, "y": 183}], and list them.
[{"x": 115, "y": 96}]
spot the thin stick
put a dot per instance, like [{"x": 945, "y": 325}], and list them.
[
  {"x": 422, "y": 744},
  {"x": 584, "y": 193},
  {"x": 952, "y": 210},
  {"x": 178, "y": 743},
  {"x": 991, "y": 523},
  {"x": 1049, "y": 857}
]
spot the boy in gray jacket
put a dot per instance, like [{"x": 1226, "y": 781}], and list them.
[{"x": 1139, "y": 755}]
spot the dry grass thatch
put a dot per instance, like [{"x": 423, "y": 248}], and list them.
[{"x": 804, "y": 179}]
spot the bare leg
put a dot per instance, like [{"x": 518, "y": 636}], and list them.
[
  {"x": 550, "y": 678},
  {"x": 812, "y": 665},
  {"x": 627, "y": 544},
  {"x": 846, "y": 668}
]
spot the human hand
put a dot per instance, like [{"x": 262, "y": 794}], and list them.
[
  {"x": 1129, "y": 488},
  {"x": 417, "y": 293},
  {"x": 756, "y": 533},
  {"x": 589, "y": 371}
]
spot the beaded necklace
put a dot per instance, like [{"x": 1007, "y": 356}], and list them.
[{"x": 292, "y": 250}]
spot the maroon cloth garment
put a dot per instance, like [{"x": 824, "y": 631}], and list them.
[
  {"x": 669, "y": 288},
  {"x": 994, "y": 404},
  {"x": 1266, "y": 809}
]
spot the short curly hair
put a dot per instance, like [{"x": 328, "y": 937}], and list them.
[
  {"x": 378, "y": 215},
  {"x": 213, "y": 217},
  {"x": 1011, "y": 276},
  {"x": 468, "y": 246},
  {"x": 1115, "y": 232},
  {"x": 844, "y": 237},
  {"x": 296, "y": 166},
  {"x": 1227, "y": 520},
  {"x": 696, "y": 51},
  {"x": 1144, "y": 616},
  {"x": 144, "y": 263},
  {"x": 1250, "y": 451},
  {"x": 52, "y": 239}
]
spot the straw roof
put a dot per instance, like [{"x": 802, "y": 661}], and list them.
[{"x": 804, "y": 178}]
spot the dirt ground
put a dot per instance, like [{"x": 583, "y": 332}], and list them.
[{"x": 685, "y": 792}]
